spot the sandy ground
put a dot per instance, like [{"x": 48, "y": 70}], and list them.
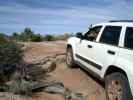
[
  {"x": 75, "y": 79},
  {"x": 38, "y": 51}
]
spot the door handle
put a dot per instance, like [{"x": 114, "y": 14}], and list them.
[
  {"x": 111, "y": 52},
  {"x": 89, "y": 46}
]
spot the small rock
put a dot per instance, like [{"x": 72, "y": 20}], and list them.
[
  {"x": 55, "y": 88},
  {"x": 58, "y": 88}
]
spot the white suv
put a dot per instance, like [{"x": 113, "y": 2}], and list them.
[{"x": 106, "y": 50}]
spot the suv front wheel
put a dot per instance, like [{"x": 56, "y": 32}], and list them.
[
  {"x": 69, "y": 58},
  {"x": 117, "y": 87}
]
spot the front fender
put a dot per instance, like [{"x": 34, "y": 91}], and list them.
[{"x": 73, "y": 41}]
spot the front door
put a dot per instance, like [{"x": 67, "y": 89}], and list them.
[{"x": 85, "y": 48}]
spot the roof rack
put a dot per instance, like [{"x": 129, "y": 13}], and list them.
[{"x": 121, "y": 21}]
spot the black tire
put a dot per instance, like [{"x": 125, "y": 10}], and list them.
[
  {"x": 69, "y": 58},
  {"x": 117, "y": 87}
]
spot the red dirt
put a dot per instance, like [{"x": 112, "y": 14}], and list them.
[{"x": 75, "y": 79}]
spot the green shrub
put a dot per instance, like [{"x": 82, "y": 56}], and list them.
[
  {"x": 2, "y": 38},
  {"x": 49, "y": 38},
  {"x": 10, "y": 56},
  {"x": 36, "y": 38}
]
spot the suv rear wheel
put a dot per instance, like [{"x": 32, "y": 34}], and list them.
[
  {"x": 117, "y": 87},
  {"x": 69, "y": 58}
]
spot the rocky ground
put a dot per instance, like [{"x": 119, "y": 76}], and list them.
[{"x": 72, "y": 82}]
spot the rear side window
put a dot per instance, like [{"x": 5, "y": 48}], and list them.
[
  {"x": 111, "y": 35},
  {"x": 129, "y": 38}
]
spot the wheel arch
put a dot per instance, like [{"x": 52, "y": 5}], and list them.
[
  {"x": 112, "y": 68},
  {"x": 73, "y": 50},
  {"x": 69, "y": 46}
]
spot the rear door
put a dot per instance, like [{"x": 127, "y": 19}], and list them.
[
  {"x": 105, "y": 49},
  {"x": 126, "y": 53}
]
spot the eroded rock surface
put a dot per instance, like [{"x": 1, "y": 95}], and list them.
[
  {"x": 69, "y": 83},
  {"x": 9, "y": 96}
]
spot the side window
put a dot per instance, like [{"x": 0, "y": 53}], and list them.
[
  {"x": 129, "y": 38},
  {"x": 92, "y": 34},
  {"x": 111, "y": 35}
]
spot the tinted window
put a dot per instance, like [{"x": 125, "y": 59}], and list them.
[
  {"x": 111, "y": 35},
  {"x": 129, "y": 38},
  {"x": 93, "y": 33}
]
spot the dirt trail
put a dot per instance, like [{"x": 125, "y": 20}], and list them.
[
  {"x": 38, "y": 51},
  {"x": 75, "y": 79}
]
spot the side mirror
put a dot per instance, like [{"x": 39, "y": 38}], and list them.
[{"x": 79, "y": 35}]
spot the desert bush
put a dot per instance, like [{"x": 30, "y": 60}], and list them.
[
  {"x": 27, "y": 36},
  {"x": 10, "y": 56},
  {"x": 16, "y": 75},
  {"x": 2, "y": 37},
  {"x": 36, "y": 38},
  {"x": 49, "y": 37}
]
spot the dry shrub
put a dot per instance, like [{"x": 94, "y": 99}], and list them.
[{"x": 10, "y": 57}]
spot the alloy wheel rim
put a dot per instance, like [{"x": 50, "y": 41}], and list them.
[
  {"x": 69, "y": 58},
  {"x": 115, "y": 90}
]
